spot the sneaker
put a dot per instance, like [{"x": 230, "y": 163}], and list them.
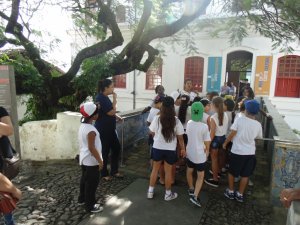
[
  {"x": 212, "y": 182},
  {"x": 150, "y": 195},
  {"x": 96, "y": 208},
  {"x": 239, "y": 197},
  {"x": 229, "y": 194},
  {"x": 211, "y": 172},
  {"x": 191, "y": 192},
  {"x": 171, "y": 196},
  {"x": 195, "y": 201}
]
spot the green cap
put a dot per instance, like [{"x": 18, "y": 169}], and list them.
[{"x": 197, "y": 111}]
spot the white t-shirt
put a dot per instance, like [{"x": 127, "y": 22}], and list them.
[
  {"x": 220, "y": 130},
  {"x": 205, "y": 117},
  {"x": 247, "y": 130},
  {"x": 197, "y": 133},
  {"x": 191, "y": 94},
  {"x": 85, "y": 156},
  {"x": 238, "y": 115},
  {"x": 153, "y": 112},
  {"x": 229, "y": 116},
  {"x": 159, "y": 140}
]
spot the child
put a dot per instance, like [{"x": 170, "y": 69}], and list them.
[
  {"x": 218, "y": 130},
  {"x": 166, "y": 128},
  {"x": 90, "y": 157},
  {"x": 207, "y": 107},
  {"x": 242, "y": 160},
  {"x": 197, "y": 151}
]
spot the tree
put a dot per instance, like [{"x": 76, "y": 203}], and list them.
[{"x": 53, "y": 90}]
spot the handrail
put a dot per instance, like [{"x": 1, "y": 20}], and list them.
[{"x": 265, "y": 114}]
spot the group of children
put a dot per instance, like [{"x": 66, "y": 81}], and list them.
[{"x": 183, "y": 125}]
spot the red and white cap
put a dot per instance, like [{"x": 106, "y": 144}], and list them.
[{"x": 87, "y": 109}]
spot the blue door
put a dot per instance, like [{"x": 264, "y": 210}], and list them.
[{"x": 214, "y": 74}]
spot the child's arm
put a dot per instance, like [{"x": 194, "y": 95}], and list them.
[
  {"x": 7, "y": 186},
  {"x": 213, "y": 128},
  {"x": 207, "y": 145},
  {"x": 181, "y": 144},
  {"x": 229, "y": 138},
  {"x": 91, "y": 144}
]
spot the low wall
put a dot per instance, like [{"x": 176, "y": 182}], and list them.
[
  {"x": 284, "y": 153},
  {"x": 57, "y": 139}
]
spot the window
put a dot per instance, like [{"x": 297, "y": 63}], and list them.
[
  {"x": 154, "y": 74},
  {"x": 288, "y": 77},
  {"x": 121, "y": 14},
  {"x": 119, "y": 81},
  {"x": 194, "y": 70}
]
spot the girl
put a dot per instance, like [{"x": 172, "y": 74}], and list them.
[
  {"x": 90, "y": 157},
  {"x": 197, "y": 151},
  {"x": 106, "y": 125},
  {"x": 207, "y": 107},
  {"x": 184, "y": 114},
  {"x": 218, "y": 130},
  {"x": 166, "y": 128}
]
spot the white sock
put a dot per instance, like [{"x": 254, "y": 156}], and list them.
[
  {"x": 230, "y": 191},
  {"x": 151, "y": 189},
  {"x": 239, "y": 194},
  {"x": 168, "y": 192}
]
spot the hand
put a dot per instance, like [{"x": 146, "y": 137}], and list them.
[
  {"x": 17, "y": 194},
  {"x": 100, "y": 165},
  {"x": 224, "y": 145},
  {"x": 182, "y": 153},
  {"x": 114, "y": 95},
  {"x": 287, "y": 196}
]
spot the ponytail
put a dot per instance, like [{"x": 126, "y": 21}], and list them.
[
  {"x": 102, "y": 84},
  {"x": 218, "y": 103}
]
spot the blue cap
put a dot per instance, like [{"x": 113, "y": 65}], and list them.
[{"x": 252, "y": 106}]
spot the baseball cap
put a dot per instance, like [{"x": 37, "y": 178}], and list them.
[
  {"x": 159, "y": 98},
  {"x": 197, "y": 111},
  {"x": 175, "y": 95},
  {"x": 88, "y": 109},
  {"x": 252, "y": 106}
]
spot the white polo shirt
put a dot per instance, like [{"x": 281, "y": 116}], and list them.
[
  {"x": 85, "y": 156},
  {"x": 197, "y": 133},
  {"x": 247, "y": 130},
  {"x": 159, "y": 140}
]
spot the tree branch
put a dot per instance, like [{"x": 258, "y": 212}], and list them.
[
  {"x": 5, "y": 41},
  {"x": 12, "y": 22}
]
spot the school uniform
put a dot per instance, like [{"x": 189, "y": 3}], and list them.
[
  {"x": 89, "y": 166},
  {"x": 197, "y": 133},
  {"x": 162, "y": 150},
  {"x": 242, "y": 160},
  {"x": 221, "y": 131}
]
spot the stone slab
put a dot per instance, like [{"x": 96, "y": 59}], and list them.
[{"x": 131, "y": 207}]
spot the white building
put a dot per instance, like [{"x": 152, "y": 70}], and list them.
[{"x": 269, "y": 72}]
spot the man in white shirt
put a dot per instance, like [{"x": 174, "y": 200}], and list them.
[
  {"x": 188, "y": 89},
  {"x": 244, "y": 131}
]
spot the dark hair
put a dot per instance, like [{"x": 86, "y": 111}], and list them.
[
  {"x": 187, "y": 80},
  {"x": 197, "y": 99},
  {"x": 183, "y": 108},
  {"x": 218, "y": 103},
  {"x": 212, "y": 94},
  {"x": 167, "y": 119},
  {"x": 157, "y": 87},
  {"x": 251, "y": 93},
  {"x": 230, "y": 104},
  {"x": 205, "y": 102},
  {"x": 102, "y": 84}
]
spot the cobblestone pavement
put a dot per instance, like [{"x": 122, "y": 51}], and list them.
[{"x": 50, "y": 191}]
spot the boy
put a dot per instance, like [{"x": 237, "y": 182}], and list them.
[
  {"x": 242, "y": 162},
  {"x": 197, "y": 151}
]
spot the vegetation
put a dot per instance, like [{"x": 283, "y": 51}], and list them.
[{"x": 52, "y": 90}]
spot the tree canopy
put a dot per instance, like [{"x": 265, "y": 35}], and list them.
[{"x": 53, "y": 90}]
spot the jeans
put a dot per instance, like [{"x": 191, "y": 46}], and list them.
[{"x": 8, "y": 219}]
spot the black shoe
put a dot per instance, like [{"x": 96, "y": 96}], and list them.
[
  {"x": 195, "y": 201},
  {"x": 96, "y": 208},
  {"x": 219, "y": 174},
  {"x": 212, "y": 182},
  {"x": 191, "y": 192}
]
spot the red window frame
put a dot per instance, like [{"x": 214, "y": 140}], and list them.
[
  {"x": 193, "y": 70},
  {"x": 154, "y": 74},
  {"x": 288, "y": 76},
  {"x": 119, "y": 81}
]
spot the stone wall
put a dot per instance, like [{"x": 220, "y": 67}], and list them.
[
  {"x": 285, "y": 154},
  {"x": 57, "y": 139}
]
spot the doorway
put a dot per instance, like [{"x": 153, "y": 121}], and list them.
[{"x": 239, "y": 69}]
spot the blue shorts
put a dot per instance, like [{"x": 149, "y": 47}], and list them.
[
  {"x": 198, "y": 166},
  {"x": 241, "y": 165},
  {"x": 164, "y": 155},
  {"x": 218, "y": 142}
]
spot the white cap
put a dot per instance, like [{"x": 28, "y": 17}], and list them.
[
  {"x": 175, "y": 95},
  {"x": 87, "y": 109}
]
